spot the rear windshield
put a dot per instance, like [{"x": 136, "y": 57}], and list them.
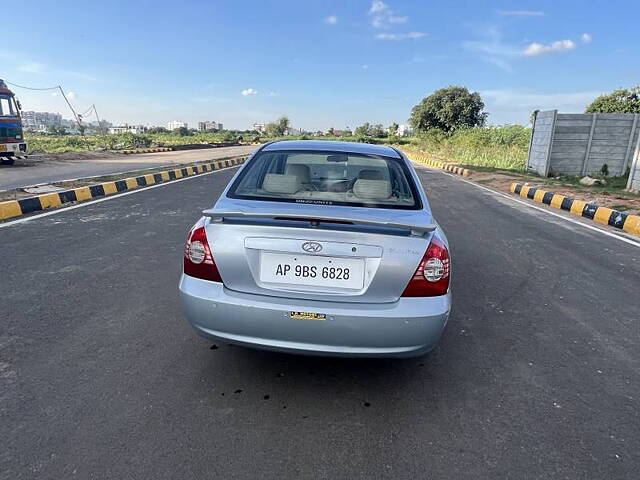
[{"x": 327, "y": 178}]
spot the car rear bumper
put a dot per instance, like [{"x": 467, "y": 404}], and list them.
[{"x": 408, "y": 327}]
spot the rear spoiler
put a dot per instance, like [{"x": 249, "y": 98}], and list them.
[{"x": 416, "y": 230}]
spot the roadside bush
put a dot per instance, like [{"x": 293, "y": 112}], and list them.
[
  {"x": 133, "y": 140},
  {"x": 503, "y": 147}
]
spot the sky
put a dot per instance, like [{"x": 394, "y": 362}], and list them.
[{"x": 322, "y": 63}]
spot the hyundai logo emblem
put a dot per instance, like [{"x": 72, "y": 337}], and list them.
[{"x": 311, "y": 247}]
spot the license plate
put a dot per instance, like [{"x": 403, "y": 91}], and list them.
[
  {"x": 312, "y": 270},
  {"x": 3, "y": 148}
]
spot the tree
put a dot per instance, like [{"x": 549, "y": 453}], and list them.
[
  {"x": 448, "y": 109},
  {"x": 363, "y": 130},
  {"x": 619, "y": 101},
  {"x": 153, "y": 130},
  {"x": 183, "y": 131},
  {"x": 377, "y": 131},
  {"x": 277, "y": 128},
  {"x": 229, "y": 137},
  {"x": 393, "y": 129}
]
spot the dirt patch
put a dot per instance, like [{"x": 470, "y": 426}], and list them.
[
  {"x": 67, "y": 156},
  {"x": 616, "y": 199}
]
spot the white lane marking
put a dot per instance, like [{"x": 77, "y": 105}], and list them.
[
  {"x": 111, "y": 197},
  {"x": 530, "y": 205}
]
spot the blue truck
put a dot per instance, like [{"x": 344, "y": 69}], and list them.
[{"x": 12, "y": 142}]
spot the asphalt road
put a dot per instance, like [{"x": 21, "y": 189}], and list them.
[
  {"x": 46, "y": 170},
  {"x": 537, "y": 375}
]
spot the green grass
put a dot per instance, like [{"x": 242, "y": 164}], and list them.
[
  {"x": 125, "y": 141},
  {"x": 498, "y": 148}
]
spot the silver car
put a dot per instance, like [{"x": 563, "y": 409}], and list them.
[{"x": 317, "y": 247}]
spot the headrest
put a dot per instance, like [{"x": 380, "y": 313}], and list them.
[
  {"x": 276, "y": 183},
  {"x": 338, "y": 158},
  {"x": 303, "y": 172},
  {"x": 372, "y": 189},
  {"x": 370, "y": 174}
]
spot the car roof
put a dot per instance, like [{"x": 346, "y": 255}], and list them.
[{"x": 331, "y": 146}]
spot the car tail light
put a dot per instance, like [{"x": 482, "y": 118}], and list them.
[
  {"x": 432, "y": 275},
  {"x": 198, "y": 259}
]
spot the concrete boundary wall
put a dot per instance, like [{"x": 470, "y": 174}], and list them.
[
  {"x": 580, "y": 144},
  {"x": 633, "y": 184}
]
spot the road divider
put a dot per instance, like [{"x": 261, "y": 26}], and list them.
[
  {"x": 449, "y": 167},
  {"x": 147, "y": 150},
  {"x": 580, "y": 208},
  {"x": 15, "y": 208}
]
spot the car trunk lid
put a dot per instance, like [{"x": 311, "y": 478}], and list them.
[{"x": 345, "y": 254}]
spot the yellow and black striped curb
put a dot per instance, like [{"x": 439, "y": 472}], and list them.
[
  {"x": 603, "y": 215},
  {"x": 146, "y": 150},
  {"x": 422, "y": 158},
  {"x": 15, "y": 208}
]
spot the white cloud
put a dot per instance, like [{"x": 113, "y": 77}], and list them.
[
  {"x": 493, "y": 50},
  {"x": 399, "y": 36},
  {"x": 382, "y": 16},
  {"x": 393, "y": 19},
  {"x": 377, "y": 6},
  {"x": 365, "y": 67},
  {"x": 536, "y": 49},
  {"x": 521, "y": 13},
  {"x": 586, "y": 37},
  {"x": 331, "y": 20},
  {"x": 249, "y": 92}
]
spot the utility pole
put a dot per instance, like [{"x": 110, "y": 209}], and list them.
[
  {"x": 78, "y": 119},
  {"x": 98, "y": 117}
]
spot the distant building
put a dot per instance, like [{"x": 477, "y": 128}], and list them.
[
  {"x": 292, "y": 131},
  {"x": 176, "y": 125},
  {"x": 342, "y": 133},
  {"x": 259, "y": 127},
  {"x": 127, "y": 129},
  {"x": 404, "y": 130},
  {"x": 208, "y": 126},
  {"x": 40, "y": 120}
]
